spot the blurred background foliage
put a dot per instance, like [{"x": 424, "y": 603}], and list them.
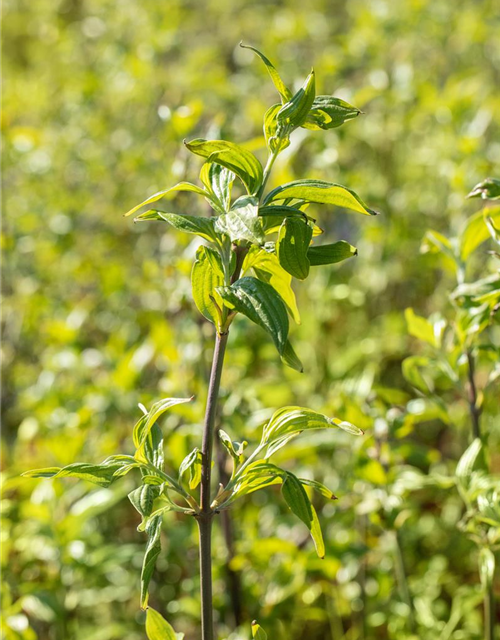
[{"x": 98, "y": 313}]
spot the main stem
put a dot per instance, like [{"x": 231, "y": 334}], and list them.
[
  {"x": 205, "y": 516},
  {"x": 475, "y": 412}
]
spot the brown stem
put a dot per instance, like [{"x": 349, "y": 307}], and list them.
[
  {"x": 233, "y": 577},
  {"x": 206, "y": 513}
]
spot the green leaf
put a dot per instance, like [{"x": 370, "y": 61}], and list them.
[
  {"x": 294, "y": 113},
  {"x": 319, "y": 487},
  {"x": 145, "y": 424},
  {"x": 328, "y": 112},
  {"x": 487, "y": 189},
  {"x": 275, "y": 135},
  {"x": 273, "y": 216},
  {"x": 228, "y": 154},
  {"x": 153, "y": 548},
  {"x": 101, "y": 474},
  {"x": 219, "y": 182},
  {"x": 143, "y": 497},
  {"x": 207, "y": 274},
  {"x": 293, "y": 420},
  {"x": 331, "y": 253},
  {"x": 181, "y": 186},
  {"x": 242, "y": 222},
  {"x": 470, "y": 459},
  {"x": 259, "y": 302},
  {"x": 235, "y": 449},
  {"x": 284, "y": 92},
  {"x": 320, "y": 192},
  {"x": 203, "y": 227},
  {"x": 293, "y": 243},
  {"x": 192, "y": 463},
  {"x": 421, "y": 328},
  {"x": 258, "y": 632},
  {"x": 157, "y": 628},
  {"x": 476, "y": 231},
  {"x": 297, "y": 499},
  {"x": 416, "y": 370},
  {"x": 290, "y": 358},
  {"x": 267, "y": 268}
]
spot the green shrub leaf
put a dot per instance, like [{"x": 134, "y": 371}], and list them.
[
  {"x": 153, "y": 548},
  {"x": 145, "y": 424},
  {"x": 203, "y": 227},
  {"x": 487, "y": 189},
  {"x": 206, "y": 276},
  {"x": 181, "y": 186},
  {"x": 320, "y": 192},
  {"x": 261, "y": 303},
  {"x": 274, "y": 133},
  {"x": 294, "y": 113},
  {"x": 242, "y": 222},
  {"x": 284, "y": 92},
  {"x": 292, "y": 246},
  {"x": 267, "y": 268},
  {"x": 228, "y": 154},
  {"x": 157, "y": 628},
  {"x": 101, "y": 474},
  {"x": 331, "y": 253},
  {"x": 219, "y": 182},
  {"x": 328, "y": 112},
  {"x": 298, "y": 501}
]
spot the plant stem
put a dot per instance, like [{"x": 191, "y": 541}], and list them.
[
  {"x": 489, "y": 613},
  {"x": 403, "y": 581},
  {"x": 269, "y": 165},
  {"x": 233, "y": 577},
  {"x": 475, "y": 412},
  {"x": 205, "y": 516}
]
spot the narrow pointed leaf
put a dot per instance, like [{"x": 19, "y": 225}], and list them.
[
  {"x": 275, "y": 135},
  {"x": 267, "y": 268},
  {"x": 258, "y": 632},
  {"x": 203, "y": 227},
  {"x": 157, "y": 628},
  {"x": 228, "y": 154},
  {"x": 487, "y": 189},
  {"x": 153, "y": 548},
  {"x": 219, "y": 182},
  {"x": 143, "y": 427},
  {"x": 181, "y": 186},
  {"x": 100, "y": 474},
  {"x": 206, "y": 277},
  {"x": 297, "y": 499},
  {"x": 476, "y": 231},
  {"x": 290, "y": 358},
  {"x": 317, "y": 535},
  {"x": 284, "y": 92},
  {"x": 294, "y": 112},
  {"x": 328, "y": 112},
  {"x": 331, "y": 253},
  {"x": 320, "y": 192},
  {"x": 242, "y": 222},
  {"x": 319, "y": 487},
  {"x": 261, "y": 303},
  {"x": 292, "y": 246}
]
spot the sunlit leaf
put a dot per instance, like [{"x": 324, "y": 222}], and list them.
[
  {"x": 258, "y": 632},
  {"x": 295, "y": 112},
  {"x": 487, "y": 189},
  {"x": 230, "y": 155},
  {"x": 267, "y": 268},
  {"x": 421, "y": 328},
  {"x": 320, "y": 192},
  {"x": 476, "y": 231},
  {"x": 328, "y": 112},
  {"x": 144, "y": 425},
  {"x": 153, "y": 548},
  {"x": 181, "y": 186},
  {"x": 203, "y": 227},
  {"x": 192, "y": 463},
  {"x": 207, "y": 274},
  {"x": 219, "y": 182},
  {"x": 101, "y": 474},
  {"x": 242, "y": 222},
  {"x": 157, "y": 628},
  {"x": 275, "y": 135},
  {"x": 284, "y": 92},
  {"x": 299, "y": 503}
]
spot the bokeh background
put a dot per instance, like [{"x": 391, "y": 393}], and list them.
[{"x": 98, "y": 315}]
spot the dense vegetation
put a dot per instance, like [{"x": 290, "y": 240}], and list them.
[{"x": 99, "y": 316}]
